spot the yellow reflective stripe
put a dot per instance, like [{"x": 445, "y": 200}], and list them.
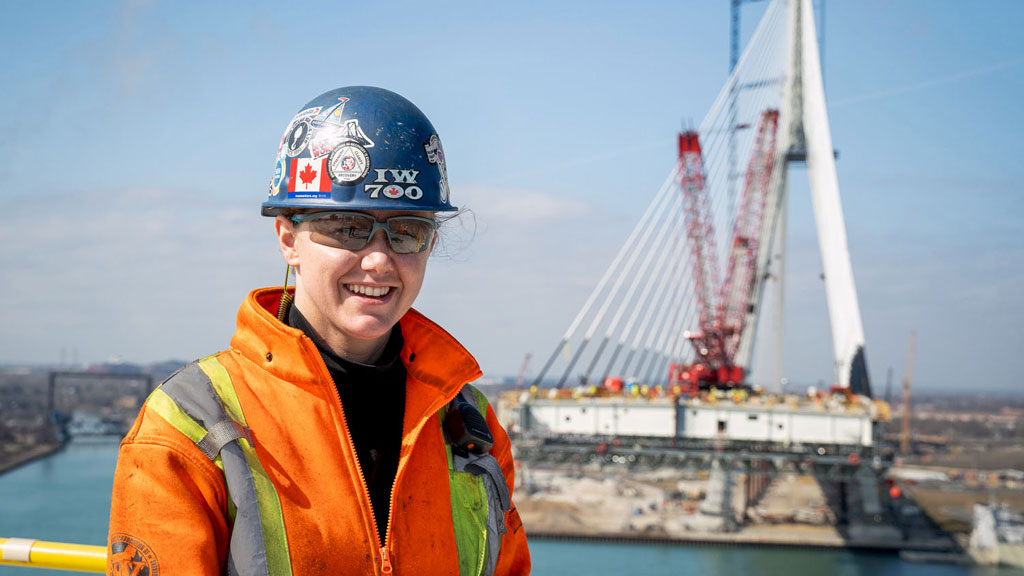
[
  {"x": 469, "y": 504},
  {"x": 469, "y": 519},
  {"x": 275, "y": 541},
  {"x": 166, "y": 408},
  {"x": 225, "y": 390},
  {"x": 481, "y": 400},
  {"x": 163, "y": 405},
  {"x": 447, "y": 449}
]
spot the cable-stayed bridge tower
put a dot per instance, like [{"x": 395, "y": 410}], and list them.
[{"x": 662, "y": 314}]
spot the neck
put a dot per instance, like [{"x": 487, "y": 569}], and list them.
[{"x": 361, "y": 351}]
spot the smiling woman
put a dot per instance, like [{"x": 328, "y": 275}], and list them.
[
  {"x": 353, "y": 297},
  {"x": 339, "y": 428}
]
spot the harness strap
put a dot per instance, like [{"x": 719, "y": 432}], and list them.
[{"x": 491, "y": 468}]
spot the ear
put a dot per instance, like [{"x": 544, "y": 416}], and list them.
[{"x": 286, "y": 237}]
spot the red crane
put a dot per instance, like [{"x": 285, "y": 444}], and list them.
[{"x": 722, "y": 308}]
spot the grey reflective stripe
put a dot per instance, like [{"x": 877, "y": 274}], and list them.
[
  {"x": 247, "y": 532},
  {"x": 193, "y": 392},
  {"x": 220, "y": 434},
  {"x": 490, "y": 466},
  {"x": 488, "y": 470}
]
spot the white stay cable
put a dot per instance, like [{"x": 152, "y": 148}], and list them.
[
  {"x": 659, "y": 302},
  {"x": 643, "y": 303},
  {"x": 634, "y": 255},
  {"x": 651, "y": 211},
  {"x": 626, "y": 247},
  {"x": 627, "y": 302},
  {"x": 659, "y": 247}
]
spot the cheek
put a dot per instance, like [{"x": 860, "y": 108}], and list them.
[
  {"x": 413, "y": 272},
  {"x": 321, "y": 264}
]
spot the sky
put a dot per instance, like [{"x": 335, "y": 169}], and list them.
[{"x": 140, "y": 139}]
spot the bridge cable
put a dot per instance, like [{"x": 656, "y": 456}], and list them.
[
  {"x": 634, "y": 253},
  {"x": 611, "y": 268},
  {"x": 627, "y": 301}
]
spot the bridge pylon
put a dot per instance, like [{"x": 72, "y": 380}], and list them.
[{"x": 805, "y": 137}]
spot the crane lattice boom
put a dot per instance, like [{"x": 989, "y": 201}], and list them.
[
  {"x": 722, "y": 322},
  {"x": 700, "y": 233}
]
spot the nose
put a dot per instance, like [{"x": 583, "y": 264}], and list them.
[{"x": 377, "y": 254}]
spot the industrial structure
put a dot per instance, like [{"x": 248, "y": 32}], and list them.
[
  {"x": 656, "y": 369},
  {"x": 681, "y": 302}
]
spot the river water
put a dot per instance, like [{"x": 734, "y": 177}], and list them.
[{"x": 66, "y": 498}]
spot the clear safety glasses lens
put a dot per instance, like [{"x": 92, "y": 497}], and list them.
[{"x": 353, "y": 230}]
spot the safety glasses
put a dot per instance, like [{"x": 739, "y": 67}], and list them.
[{"x": 353, "y": 230}]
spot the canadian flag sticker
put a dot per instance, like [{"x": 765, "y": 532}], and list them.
[{"x": 308, "y": 175}]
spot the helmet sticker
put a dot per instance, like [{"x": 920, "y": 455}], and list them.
[
  {"x": 403, "y": 176},
  {"x": 308, "y": 179},
  {"x": 328, "y": 131},
  {"x": 298, "y": 131},
  {"x": 297, "y": 138},
  {"x": 359, "y": 148},
  {"x": 297, "y": 134},
  {"x": 435, "y": 155},
  {"x": 275, "y": 182},
  {"x": 333, "y": 114},
  {"x": 327, "y": 136},
  {"x": 348, "y": 163},
  {"x": 388, "y": 183}
]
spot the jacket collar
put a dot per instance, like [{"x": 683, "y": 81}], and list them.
[{"x": 432, "y": 357}]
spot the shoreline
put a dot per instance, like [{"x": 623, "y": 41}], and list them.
[
  {"x": 740, "y": 539},
  {"x": 28, "y": 454}
]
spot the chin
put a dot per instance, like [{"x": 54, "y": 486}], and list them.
[{"x": 369, "y": 328}]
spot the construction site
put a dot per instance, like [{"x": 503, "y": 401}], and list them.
[
  {"x": 661, "y": 412},
  {"x": 731, "y": 489}
]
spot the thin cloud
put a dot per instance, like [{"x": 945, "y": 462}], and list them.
[
  {"x": 938, "y": 81},
  {"x": 495, "y": 206},
  {"x": 144, "y": 275}
]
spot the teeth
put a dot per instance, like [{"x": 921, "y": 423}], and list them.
[{"x": 369, "y": 290}]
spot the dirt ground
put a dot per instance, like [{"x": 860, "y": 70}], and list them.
[
  {"x": 953, "y": 510},
  {"x": 662, "y": 503}
]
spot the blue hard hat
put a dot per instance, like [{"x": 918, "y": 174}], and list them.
[{"x": 359, "y": 148}]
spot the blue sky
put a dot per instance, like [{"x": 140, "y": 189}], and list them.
[{"x": 140, "y": 137}]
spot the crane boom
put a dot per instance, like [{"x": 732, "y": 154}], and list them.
[
  {"x": 700, "y": 234},
  {"x": 722, "y": 307},
  {"x": 737, "y": 289}
]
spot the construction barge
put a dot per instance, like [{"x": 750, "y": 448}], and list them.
[
  {"x": 824, "y": 423},
  {"x": 729, "y": 466}
]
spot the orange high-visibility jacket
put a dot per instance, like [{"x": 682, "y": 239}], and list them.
[{"x": 170, "y": 510}]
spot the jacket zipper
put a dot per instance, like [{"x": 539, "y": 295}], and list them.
[
  {"x": 385, "y": 557},
  {"x": 386, "y": 566}
]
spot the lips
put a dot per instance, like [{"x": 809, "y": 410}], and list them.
[{"x": 371, "y": 291}]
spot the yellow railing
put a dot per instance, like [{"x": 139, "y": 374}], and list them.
[{"x": 56, "y": 555}]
